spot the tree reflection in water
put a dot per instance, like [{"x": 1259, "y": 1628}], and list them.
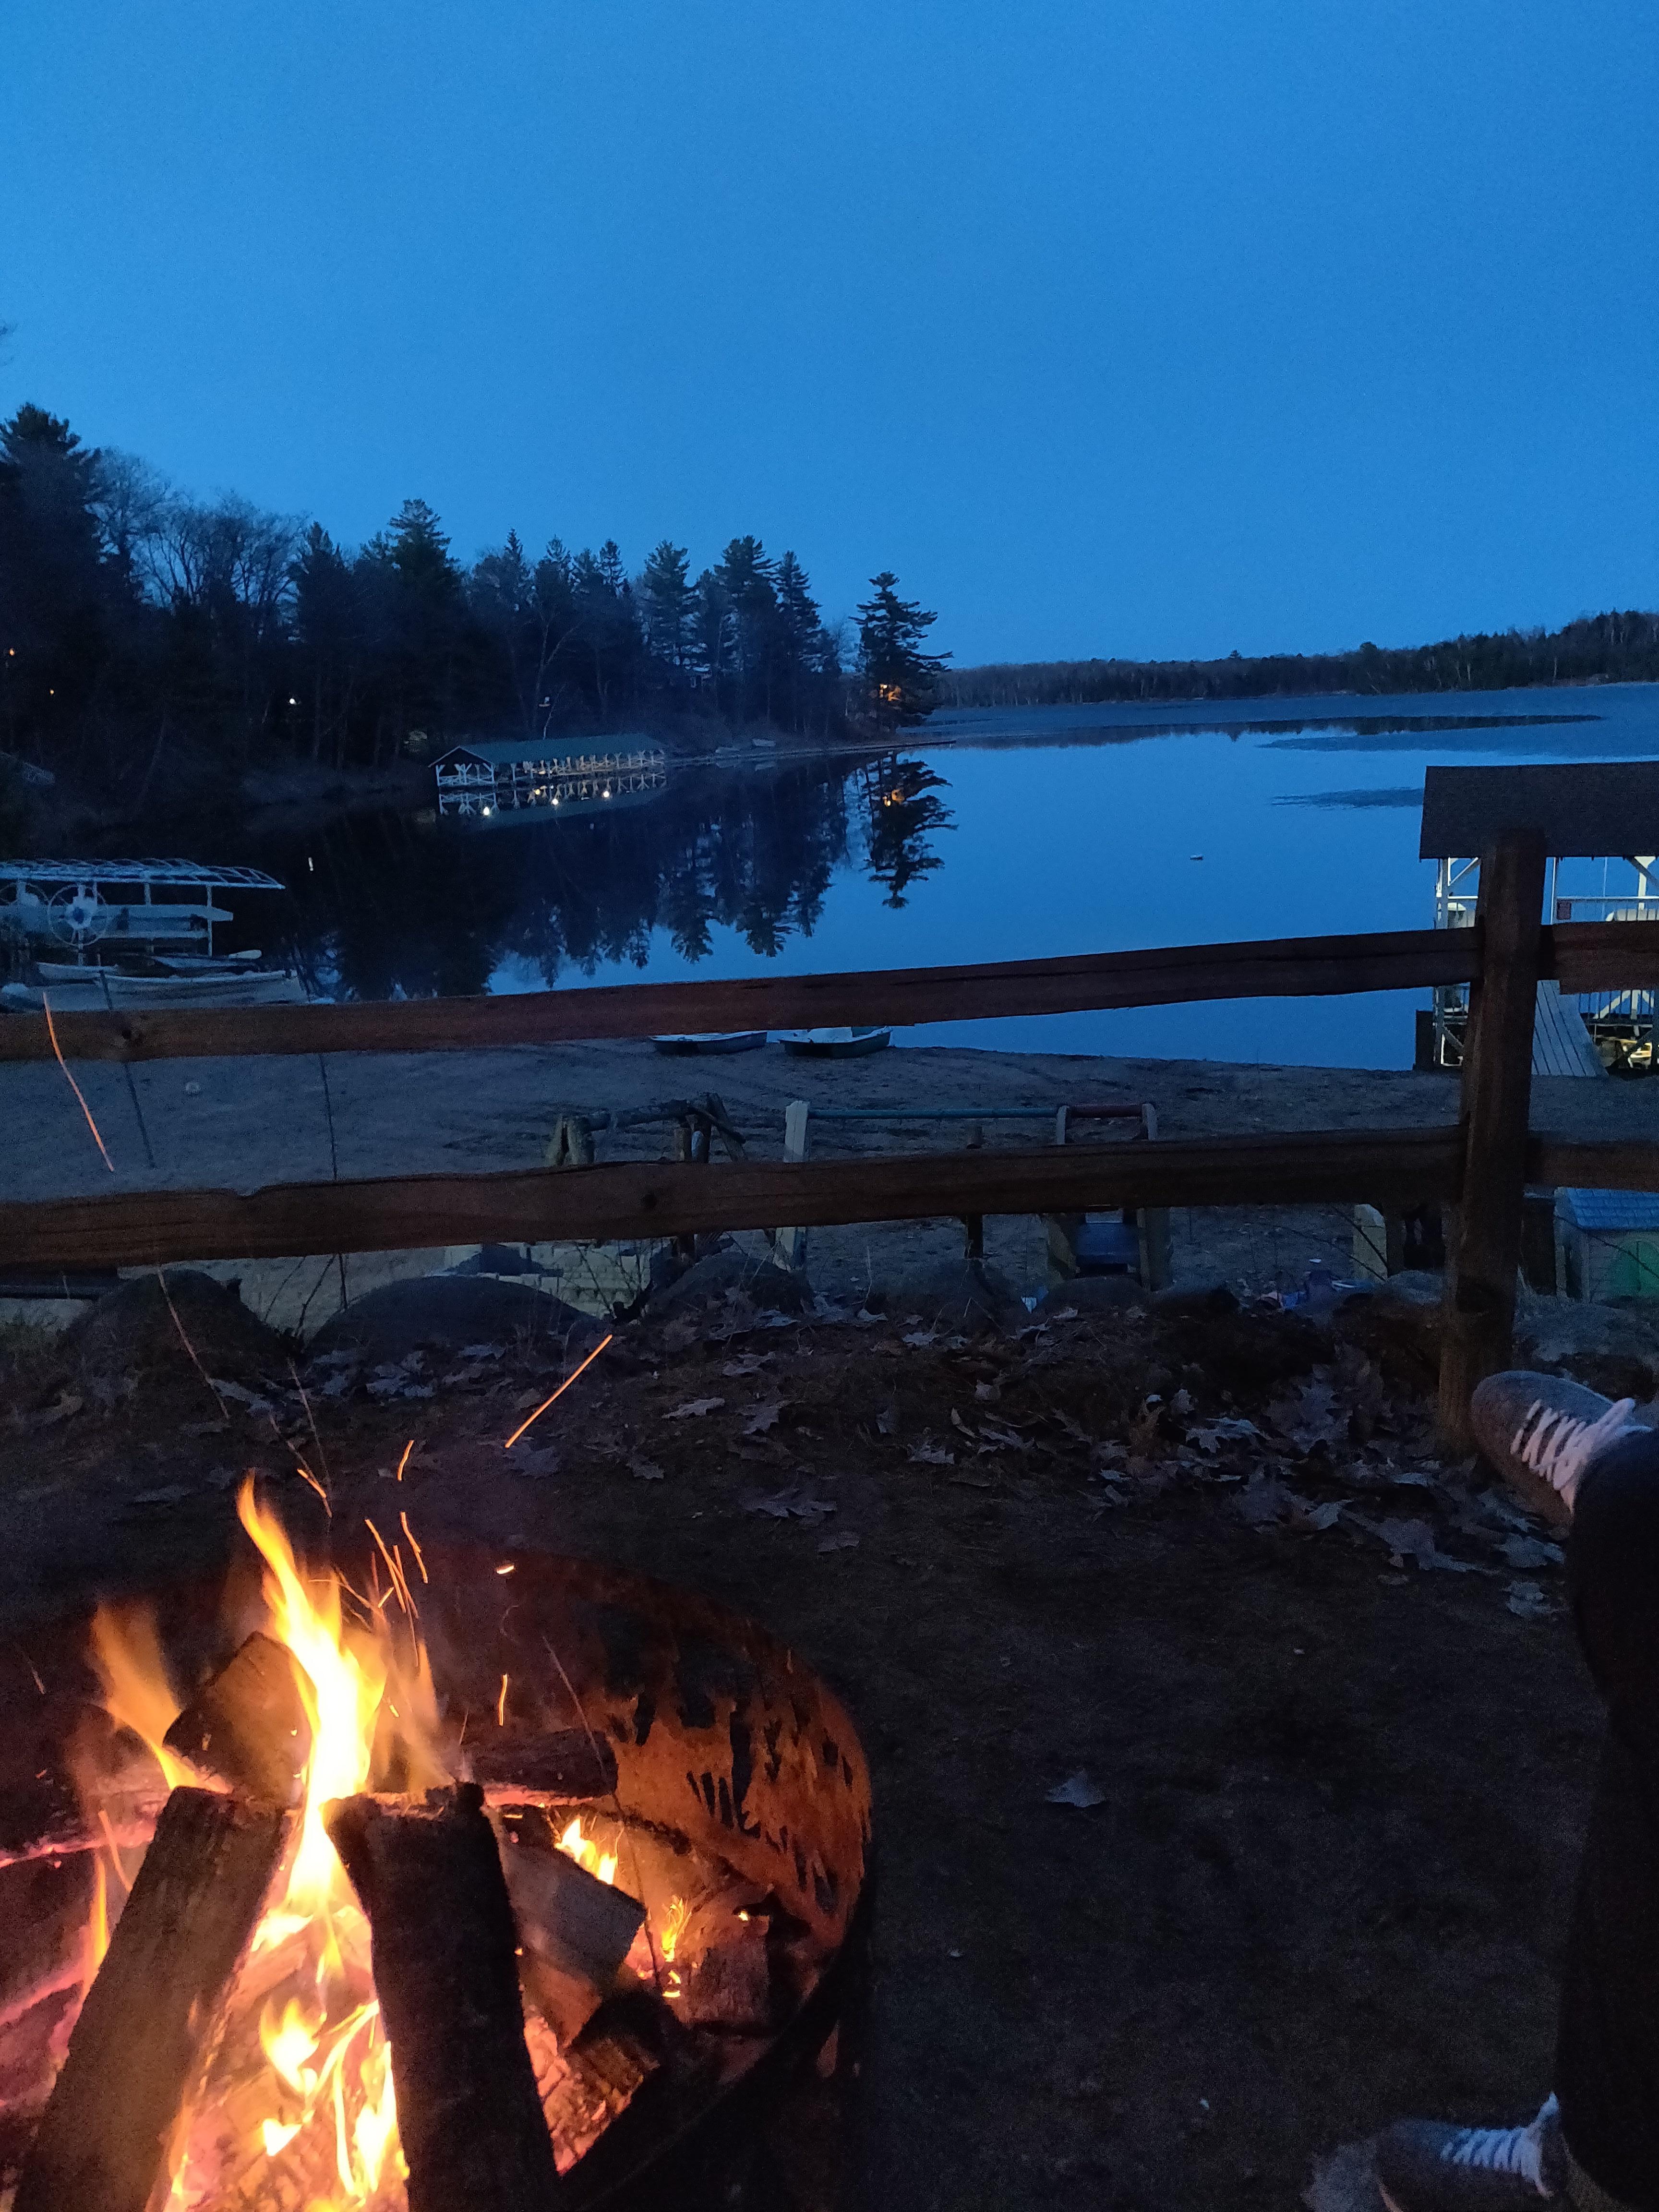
[{"x": 384, "y": 906}]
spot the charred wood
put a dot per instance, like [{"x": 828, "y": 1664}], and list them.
[
  {"x": 249, "y": 1725},
  {"x": 563, "y": 1766},
  {"x": 576, "y": 1929},
  {"x": 104, "y": 2139},
  {"x": 446, "y": 1968}
]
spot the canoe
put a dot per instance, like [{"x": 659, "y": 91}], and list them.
[
  {"x": 834, "y": 1044},
  {"x": 713, "y": 1041}
]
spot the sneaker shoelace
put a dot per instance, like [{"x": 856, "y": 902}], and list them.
[
  {"x": 1561, "y": 1445},
  {"x": 1519, "y": 2151}
]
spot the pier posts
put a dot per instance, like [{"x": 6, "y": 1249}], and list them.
[{"x": 1484, "y": 1247}]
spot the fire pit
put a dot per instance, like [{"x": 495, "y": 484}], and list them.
[{"x": 607, "y": 1850}]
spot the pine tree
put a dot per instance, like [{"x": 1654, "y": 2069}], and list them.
[
  {"x": 900, "y": 682},
  {"x": 670, "y": 604}
]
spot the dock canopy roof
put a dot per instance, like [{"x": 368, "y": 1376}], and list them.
[
  {"x": 514, "y": 752},
  {"x": 1585, "y": 808},
  {"x": 134, "y": 871}
]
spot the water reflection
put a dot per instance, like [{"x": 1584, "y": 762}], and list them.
[{"x": 385, "y": 906}]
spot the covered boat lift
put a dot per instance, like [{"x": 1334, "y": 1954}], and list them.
[{"x": 81, "y": 904}]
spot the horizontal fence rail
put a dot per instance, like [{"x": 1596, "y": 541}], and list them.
[
  {"x": 630, "y": 1201},
  {"x": 1286, "y": 966}
]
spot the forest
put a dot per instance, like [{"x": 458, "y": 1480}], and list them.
[
  {"x": 153, "y": 647},
  {"x": 1607, "y": 648}
]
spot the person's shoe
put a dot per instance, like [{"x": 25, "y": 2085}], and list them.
[
  {"x": 1427, "y": 2165},
  {"x": 1540, "y": 1432}
]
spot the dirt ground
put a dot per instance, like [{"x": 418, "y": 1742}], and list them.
[{"x": 1322, "y": 1687}]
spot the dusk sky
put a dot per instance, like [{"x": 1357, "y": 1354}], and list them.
[{"x": 1147, "y": 329}]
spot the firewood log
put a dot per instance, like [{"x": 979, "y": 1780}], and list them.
[
  {"x": 249, "y": 1725},
  {"x": 104, "y": 2139},
  {"x": 563, "y": 1766},
  {"x": 576, "y": 1929},
  {"x": 446, "y": 1966}
]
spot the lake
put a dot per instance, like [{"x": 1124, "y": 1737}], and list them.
[{"x": 989, "y": 835}]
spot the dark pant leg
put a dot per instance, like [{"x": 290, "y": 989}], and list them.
[{"x": 1608, "y": 2053}]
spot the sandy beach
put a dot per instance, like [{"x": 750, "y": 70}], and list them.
[{"x": 242, "y": 1123}]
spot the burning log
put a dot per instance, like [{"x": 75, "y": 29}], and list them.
[
  {"x": 576, "y": 1931},
  {"x": 104, "y": 2139},
  {"x": 249, "y": 1725},
  {"x": 446, "y": 1972},
  {"x": 564, "y": 1766}
]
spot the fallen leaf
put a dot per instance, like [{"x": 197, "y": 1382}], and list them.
[
  {"x": 694, "y": 1408},
  {"x": 750, "y": 1363},
  {"x": 987, "y": 1393},
  {"x": 1530, "y": 1552},
  {"x": 759, "y": 1419},
  {"x": 534, "y": 1459},
  {"x": 791, "y": 1504},
  {"x": 1414, "y": 1539},
  {"x": 847, "y": 1541},
  {"x": 887, "y": 1420},
  {"x": 1077, "y": 1790},
  {"x": 957, "y": 1422},
  {"x": 646, "y": 1470},
  {"x": 920, "y": 1339},
  {"x": 1324, "y": 1517},
  {"x": 203, "y": 1428},
  {"x": 1212, "y": 1435},
  {"x": 1527, "y": 1602},
  {"x": 926, "y": 1455},
  {"x": 484, "y": 1352},
  {"x": 1265, "y": 1500}
]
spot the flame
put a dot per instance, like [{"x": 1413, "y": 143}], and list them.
[
  {"x": 126, "y": 1655},
  {"x": 575, "y": 1845},
  {"x": 672, "y": 1928}
]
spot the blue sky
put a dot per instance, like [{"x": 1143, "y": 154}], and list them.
[{"x": 1148, "y": 328}]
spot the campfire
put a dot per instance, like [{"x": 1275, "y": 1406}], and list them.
[{"x": 454, "y": 1881}]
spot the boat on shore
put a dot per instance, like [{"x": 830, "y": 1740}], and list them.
[
  {"x": 712, "y": 1042},
  {"x": 834, "y": 1044}
]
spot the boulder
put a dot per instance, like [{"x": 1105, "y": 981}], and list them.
[
  {"x": 1093, "y": 1294},
  {"x": 723, "y": 1276},
  {"x": 1613, "y": 1349},
  {"x": 1201, "y": 1299},
  {"x": 963, "y": 1297},
  {"x": 1398, "y": 1324},
  {"x": 445, "y": 1312},
  {"x": 142, "y": 1329}
]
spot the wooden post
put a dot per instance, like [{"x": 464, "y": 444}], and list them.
[
  {"x": 1496, "y": 1094},
  {"x": 790, "y": 1244}
]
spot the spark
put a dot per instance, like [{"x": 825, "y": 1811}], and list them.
[
  {"x": 397, "y": 1582},
  {"x": 413, "y": 1545},
  {"x": 559, "y": 1393},
  {"x": 302, "y": 1470},
  {"x": 501, "y": 1705},
  {"x": 402, "y": 1464},
  {"x": 52, "y": 1031}
]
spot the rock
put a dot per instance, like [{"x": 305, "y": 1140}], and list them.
[
  {"x": 961, "y": 1297},
  {"x": 445, "y": 1312},
  {"x": 1613, "y": 1349},
  {"x": 1399, "y": 1324},
  {"x": 1197, "y": 1300},
  {"x": 1091, "y": 1294},
  {"x": 766, "y": 1287},
  {"x": 1245, "y": 1352},
  {"x": 134, "y": 1330}
]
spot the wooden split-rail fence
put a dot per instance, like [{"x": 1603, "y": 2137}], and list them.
[{"x": 1480, "y": 1166}]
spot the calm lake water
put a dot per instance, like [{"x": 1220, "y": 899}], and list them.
[{"x": 990, "y": 836}]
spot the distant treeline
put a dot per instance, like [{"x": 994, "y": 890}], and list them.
[
  {"x": 1610, "y": 648},
  {"x": 154, "y": 644}
]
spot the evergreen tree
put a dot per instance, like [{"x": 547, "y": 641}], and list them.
[
  {"x": 668, "y": 603},
  {"x": 900, "y": 683}
]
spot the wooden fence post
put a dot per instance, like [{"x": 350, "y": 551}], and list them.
[{"x": 1496, "y": 1094}]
